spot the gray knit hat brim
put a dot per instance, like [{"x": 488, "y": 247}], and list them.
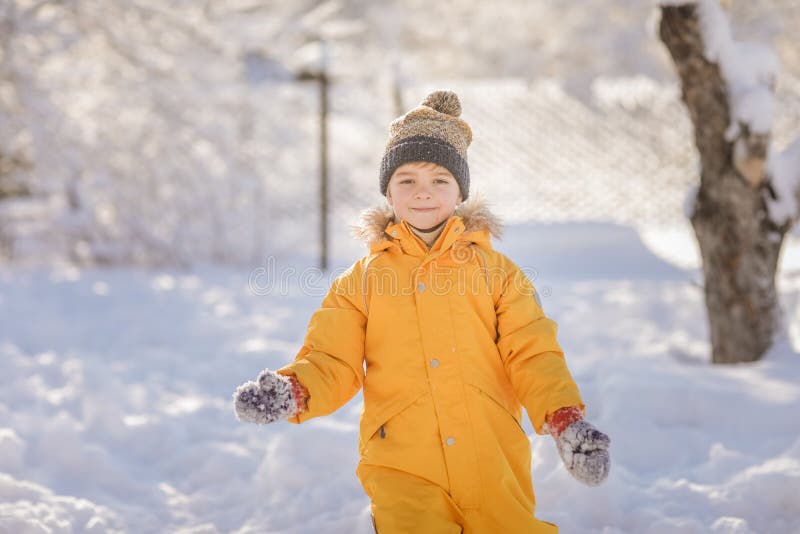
[{"x": 429, "y": 149}]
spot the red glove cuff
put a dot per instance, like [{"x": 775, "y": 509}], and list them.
[
  {"x": 300, "y": 394},
  {"x": 559, "y": 420}
]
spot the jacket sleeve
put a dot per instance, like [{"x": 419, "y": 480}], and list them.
[
  {"x": 532, "y": 357},
  {"x": 330, "y": 363}
]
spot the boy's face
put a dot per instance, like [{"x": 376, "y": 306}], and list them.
[{"x": 423, "y": 194}]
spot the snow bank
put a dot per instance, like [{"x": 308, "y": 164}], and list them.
[{"x": 28, "y": 508}]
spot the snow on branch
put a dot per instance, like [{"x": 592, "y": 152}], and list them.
[
  {"x": 749, "y": 71},
  {"x": 784, "y": 171}
]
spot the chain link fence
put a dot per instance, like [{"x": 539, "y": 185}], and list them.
[{"x": 541, "y": 155}]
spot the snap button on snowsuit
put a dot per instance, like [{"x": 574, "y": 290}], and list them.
[{"x": 434, "y": 363}]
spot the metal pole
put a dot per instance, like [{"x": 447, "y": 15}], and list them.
[{"x": 323, "y": 173}]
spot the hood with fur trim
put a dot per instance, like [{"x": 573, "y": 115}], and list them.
[{"x": 475, "y": 214}]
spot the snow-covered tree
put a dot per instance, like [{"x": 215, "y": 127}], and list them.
[
  {"x": 746, "y": 199},
  {"x": 152, "y": 131}
]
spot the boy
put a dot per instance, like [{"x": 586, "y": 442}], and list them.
[{"x": 455, "y": 343}]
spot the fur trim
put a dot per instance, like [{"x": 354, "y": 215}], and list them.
[
  {"x": 478, "y": 216},
  {"x": 373, "y": 222},
  {"x": 475, "y": 213}
]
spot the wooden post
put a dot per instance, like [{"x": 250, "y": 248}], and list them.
[{"x": 323, "y": 144}]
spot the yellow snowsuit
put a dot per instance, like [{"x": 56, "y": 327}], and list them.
[{"x": 454, "y": 344}]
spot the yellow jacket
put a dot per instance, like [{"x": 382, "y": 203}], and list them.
[{"x": 448, "y": 344}]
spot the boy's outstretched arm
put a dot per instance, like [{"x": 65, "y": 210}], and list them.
[
  {"x": 327, "y": 371},
  {"x": 583, "y": 448}
]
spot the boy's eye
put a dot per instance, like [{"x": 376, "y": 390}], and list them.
[{"x": 437, "y": 180}]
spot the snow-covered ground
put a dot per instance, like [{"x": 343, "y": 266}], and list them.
[{"x": 115, "y": 401}]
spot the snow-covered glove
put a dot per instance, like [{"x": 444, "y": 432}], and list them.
[
  {"x": 583, "y": 448},
  {"x": 271, "y": 398}
]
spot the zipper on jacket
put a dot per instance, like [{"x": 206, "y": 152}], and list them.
[{"x": 383, "y": 432}]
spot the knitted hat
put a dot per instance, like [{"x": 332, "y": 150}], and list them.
[{"x": 430, "y": 132}]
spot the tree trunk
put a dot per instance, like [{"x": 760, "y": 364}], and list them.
[{"x": 739, "y": 245}]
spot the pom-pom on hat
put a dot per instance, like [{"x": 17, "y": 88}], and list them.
[{"x": 430, "y": 132}]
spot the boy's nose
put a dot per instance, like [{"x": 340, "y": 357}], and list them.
[{"x": 423, "y": 192}]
